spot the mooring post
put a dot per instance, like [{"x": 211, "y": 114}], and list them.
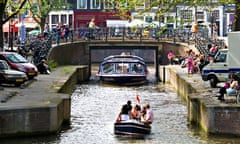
[{"x": 164, "y": 74}]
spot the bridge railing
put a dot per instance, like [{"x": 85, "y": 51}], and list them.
[
  {"x": 129, "y": 34},
  {"x": 121, "y": 34}
]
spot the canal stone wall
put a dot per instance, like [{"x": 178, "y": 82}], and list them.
[
  {"x": 43, "y": 106},
  {"x": 204, "y": 110}
]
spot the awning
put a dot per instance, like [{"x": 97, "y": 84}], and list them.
[
  {"x": 28, "y": 24},
  {"x": 13, "y": 28}
]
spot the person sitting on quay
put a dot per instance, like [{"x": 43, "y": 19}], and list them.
[
  {"x": 229, "y": 88},
  {"x": 43, "y": 68}
]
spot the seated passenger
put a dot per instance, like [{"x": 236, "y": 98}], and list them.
[
  {"x": 149, "y": 115},
  {"x": 125, "y": 112},
  {"x": 143, "y": 113},
  {"x": 135, "y": 113}
]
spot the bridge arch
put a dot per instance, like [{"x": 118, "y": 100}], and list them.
[{"x": 85, "y": 53}]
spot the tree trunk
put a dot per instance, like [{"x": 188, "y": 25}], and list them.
[
  {"x": 1, "y": 37},
  {"x": 1, "y": 25},
  {"x": 236, "y": 22}
]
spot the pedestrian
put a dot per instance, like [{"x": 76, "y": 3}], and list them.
[
  {"x": 58, "y": 33},
  {"x": 66, "y": 32},
  {"x": 170, "y": 57},
  {"x": 215, "y": 33},
  {"x": 190, "y": 63},
  {"x": 46, "y": 30},
  {"x": 91, "y": 27}
]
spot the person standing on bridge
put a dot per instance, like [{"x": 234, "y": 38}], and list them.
[{"x": 92, "y": 27}]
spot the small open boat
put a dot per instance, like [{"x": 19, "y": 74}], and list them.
[
  {"x": 123, "y": 70},
  {"x": 131, "y": 128}
]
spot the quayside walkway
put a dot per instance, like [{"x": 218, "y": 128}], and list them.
[
  {"x": 204, "y": 110},
  {"x": 41, "y": 106}
]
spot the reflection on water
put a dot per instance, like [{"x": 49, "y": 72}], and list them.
[{"x": 96, "y": 106}]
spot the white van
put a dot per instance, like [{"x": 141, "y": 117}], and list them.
[{"x": 226, "y": 61}]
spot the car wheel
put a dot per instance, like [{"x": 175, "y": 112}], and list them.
[
  {"x": 238, "y": 98},
  {"x": 213, "y": 82},
  {"x": 17, "y": 84}
]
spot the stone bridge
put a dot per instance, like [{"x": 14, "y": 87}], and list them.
[{"x": 88, "y": 53}]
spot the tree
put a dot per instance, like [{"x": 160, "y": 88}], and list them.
[
  {"x": 236, "y": 22},
  {"x": 6, "y": 14},
  {"x": 41, "y": 8},
  {"x": 166, "y": 5}
]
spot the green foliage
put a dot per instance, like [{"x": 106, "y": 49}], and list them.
[{"x": 52, "y": 64}]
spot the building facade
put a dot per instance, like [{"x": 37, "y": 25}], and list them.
[{"x": 82, "y": 11}]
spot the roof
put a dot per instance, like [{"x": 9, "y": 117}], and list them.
[{"x": 123, "y": 58}]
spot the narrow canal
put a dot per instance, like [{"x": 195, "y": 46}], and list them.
[{"x": 95, "y": 107}]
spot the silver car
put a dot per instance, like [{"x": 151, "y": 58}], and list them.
[{"x": 9, "y": 76}]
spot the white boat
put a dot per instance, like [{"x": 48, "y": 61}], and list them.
[{"x": 123, "y": 70}]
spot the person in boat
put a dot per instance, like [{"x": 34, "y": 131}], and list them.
[
  {"x": 143, "y": 113},
  {"x": 149, "y": 114},
  {"x": 137, "y": 68},
  {"x": 125, "y": 112},
  {"x": 136, "y": 112}
]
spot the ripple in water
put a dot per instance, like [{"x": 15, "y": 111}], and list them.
[{"x": 95, "y": 108}]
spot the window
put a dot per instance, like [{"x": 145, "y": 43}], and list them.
[
  {"x": 55, "y": 19},
  {"x": 108, "y": 68},
  {"x": 215, "y": 13},
  {"x": 186, "y": 15},
  {"x": 64, "y": 19},
  {"x": 70, "y": 17},
  {"x": 95, "y": 4},
  {"x": 221, "y": 57},
  {"x": 81, "y": 4},
  {"x": 108, "y": 4},
  {"x": 140, "y": 5},
  {"x": 200, "y": 15}
]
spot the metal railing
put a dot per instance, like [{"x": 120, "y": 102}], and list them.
[{"x": 40, "y": 47}]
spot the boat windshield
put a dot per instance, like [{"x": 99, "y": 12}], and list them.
[
  {"x": 108, "y": 68},
  {"x": 123, "y": 68},
  {"x": 137, "y": 68}
]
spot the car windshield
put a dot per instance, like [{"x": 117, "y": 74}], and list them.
[
  {"x": 16, "y": 58},
  {"x": 3, "y": 66}
]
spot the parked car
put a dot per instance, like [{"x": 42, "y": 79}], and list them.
[
  {"x": 10, "y": 76},
  {"x": 19, "y": 63}
]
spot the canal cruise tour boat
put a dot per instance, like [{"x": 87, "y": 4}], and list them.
[{"x": 123, "y": 70}]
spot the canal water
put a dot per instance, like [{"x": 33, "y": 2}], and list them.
[{"x": 95, "y": 107}]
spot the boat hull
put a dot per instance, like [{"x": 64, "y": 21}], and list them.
[
  {"x": 124, "y": 80},
  {"x": 131, "y": 128}
]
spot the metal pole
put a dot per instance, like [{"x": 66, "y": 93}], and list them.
[
  {"x": 164, "y": 74},
  {"x": 9, "y": 34}
]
